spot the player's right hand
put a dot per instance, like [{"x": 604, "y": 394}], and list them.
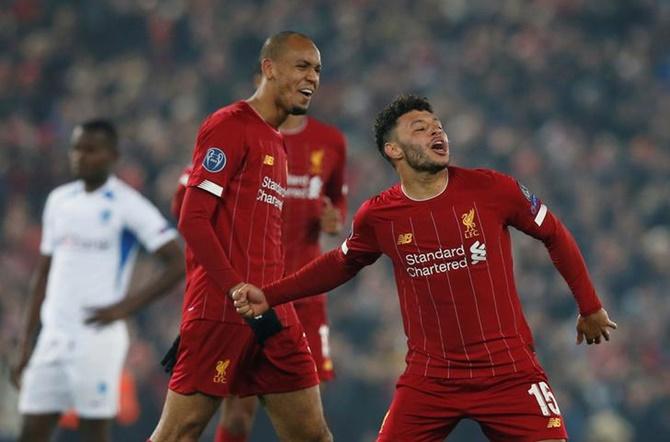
[{"x": 249, "y": 300}]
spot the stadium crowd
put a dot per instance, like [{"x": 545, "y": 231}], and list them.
[{"x": 572, "y": 97}]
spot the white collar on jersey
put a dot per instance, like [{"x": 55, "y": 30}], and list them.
[{"x": 446, "y": 184}]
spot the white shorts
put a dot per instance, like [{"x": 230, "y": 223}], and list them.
[{"x": 80, "y": 371}]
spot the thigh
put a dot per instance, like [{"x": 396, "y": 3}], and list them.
[
  {"x": 38, "y": 427},
  {"x": 184, "y": 417},
  {"x": 519, "y": 408},
  {"x": 284, "y": 364},
  {"x": 419, "y": 412},
  {"x": 95, "y": 430},
  {"x": 314, "y": 320},
  {"x": 297, "y": 415},
  {"x": 95, "y": 374}
]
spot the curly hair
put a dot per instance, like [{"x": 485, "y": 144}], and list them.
[{"x": 388, "y": 117}]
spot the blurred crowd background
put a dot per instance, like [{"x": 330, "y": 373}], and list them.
[{"x": 572, "y": 97}]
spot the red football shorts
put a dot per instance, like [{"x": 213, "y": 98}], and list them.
[
  {"x": 222, "y": 359},
  {"x": 516, "y": 407},
  {"x": 314, "y": 319}
]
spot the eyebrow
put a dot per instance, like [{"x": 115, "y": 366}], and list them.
[
  {"x": 423, "y": 120},
  {"x": 302, "y": 60}
]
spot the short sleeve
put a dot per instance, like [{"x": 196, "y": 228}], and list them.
[
  {"x": 147, "y": 223},
  {"x": 219, "y": 151},
  {"x": 47, "y": 243},
  {"x": 362, "y": 238}
]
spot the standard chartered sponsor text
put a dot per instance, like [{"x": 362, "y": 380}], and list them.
[
  {"x": 452, "y": 259},
  {"x": 268, "y": 198}
]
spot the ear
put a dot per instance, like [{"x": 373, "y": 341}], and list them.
[
  {"x": 393, "y": 150},
  {"x": 267, "y": 69}
]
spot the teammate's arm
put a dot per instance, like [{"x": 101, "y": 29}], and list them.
[
  {"x": 172, "y": 258},
  {"x": 31, "y": 322},
  {"x": 195, "y": 224},
  {"x": 320, "y": 275},
  {"x": 178, "y": 198},
  {"x": 335, "y": 201},
  {"x": 529, "y": 214}
]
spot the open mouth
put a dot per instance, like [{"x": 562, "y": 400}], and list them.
[
  {"x": 306, "y": 92},
  {"x": 439, "y": 146}
]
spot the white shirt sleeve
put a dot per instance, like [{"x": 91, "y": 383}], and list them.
[
  {"x": 47, "y": 243},
  {"x": 147, "y": 223}
]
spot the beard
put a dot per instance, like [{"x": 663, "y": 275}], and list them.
[
  {"x": 419, "y": 161},
  {"x": 297, "y": 110}
]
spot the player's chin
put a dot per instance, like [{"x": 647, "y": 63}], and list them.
[{"x": 298, "y": 109}]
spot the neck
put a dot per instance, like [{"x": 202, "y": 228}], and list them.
[
  {"x": 293, "y": 124},
  {"x": 94, "y": 184},
  {"x": 263, "y": 103},
  {"x": 423, "y": 185}
]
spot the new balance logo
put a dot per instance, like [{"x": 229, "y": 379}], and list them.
[
  {"x": 404, "y": 238},
  {"x": 554, "y": 422},
  {"x": 269, "y": 160},
  {"x": 478, "y": 252}
]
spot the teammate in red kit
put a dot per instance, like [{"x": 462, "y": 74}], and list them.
[
  {"x": 446, "y": 230},
  {"x": 315, "y": 202},
  {"x": 231, "y": 221}
]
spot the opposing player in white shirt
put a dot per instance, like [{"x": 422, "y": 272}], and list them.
[{"x": 91, "y": 230}]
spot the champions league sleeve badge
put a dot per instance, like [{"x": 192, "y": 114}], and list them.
[
  {"x": 532, "y": 199},
  {"x": 215, "y": 160}
]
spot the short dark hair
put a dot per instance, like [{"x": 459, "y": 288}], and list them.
[
  {"x": 104, "y": 126},
  {"x": 274, "y": 44},
  {"x": 388, "y": 117}
]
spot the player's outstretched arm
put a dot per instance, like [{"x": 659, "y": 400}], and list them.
[
  {"x": 594, "y": 327},
  {"x": 38, "y": 285},
  {"x": 173, "y": 271}
]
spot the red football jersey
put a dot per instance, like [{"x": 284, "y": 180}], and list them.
[
  {"x": 316, "y": 167},
  {"x": 240, "y": 159},
  {"x": 452, "y": 260}
]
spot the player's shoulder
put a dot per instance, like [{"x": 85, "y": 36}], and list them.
[
  {"x": 234, "y": 115},
  {"x": 382, "y": 201},
  {"x": 121, "y": 192},
  {"x": 327, "y": 131},
  {"x": 66, "y": 190},
  {"x": 480, "y": 177},
  {"x": 324, "y": 127}
]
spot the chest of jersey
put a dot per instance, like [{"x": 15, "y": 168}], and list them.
[
  {"x": 309, "y": 167},
  {"x": 261, "y": 179},
  {"x": 445, "y": 237},
  {"x": 86, "y": 223}
]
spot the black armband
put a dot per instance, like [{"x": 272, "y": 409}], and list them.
[{"x": 265, "y": 325}]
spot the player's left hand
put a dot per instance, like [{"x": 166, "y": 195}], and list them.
[
  {"x": 331, "y": 218},
  {"x": 594, "y": 327},
  {"x": 106, "y": 315}
]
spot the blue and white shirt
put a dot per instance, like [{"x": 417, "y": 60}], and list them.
[{"x": 93, "y": 239}]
